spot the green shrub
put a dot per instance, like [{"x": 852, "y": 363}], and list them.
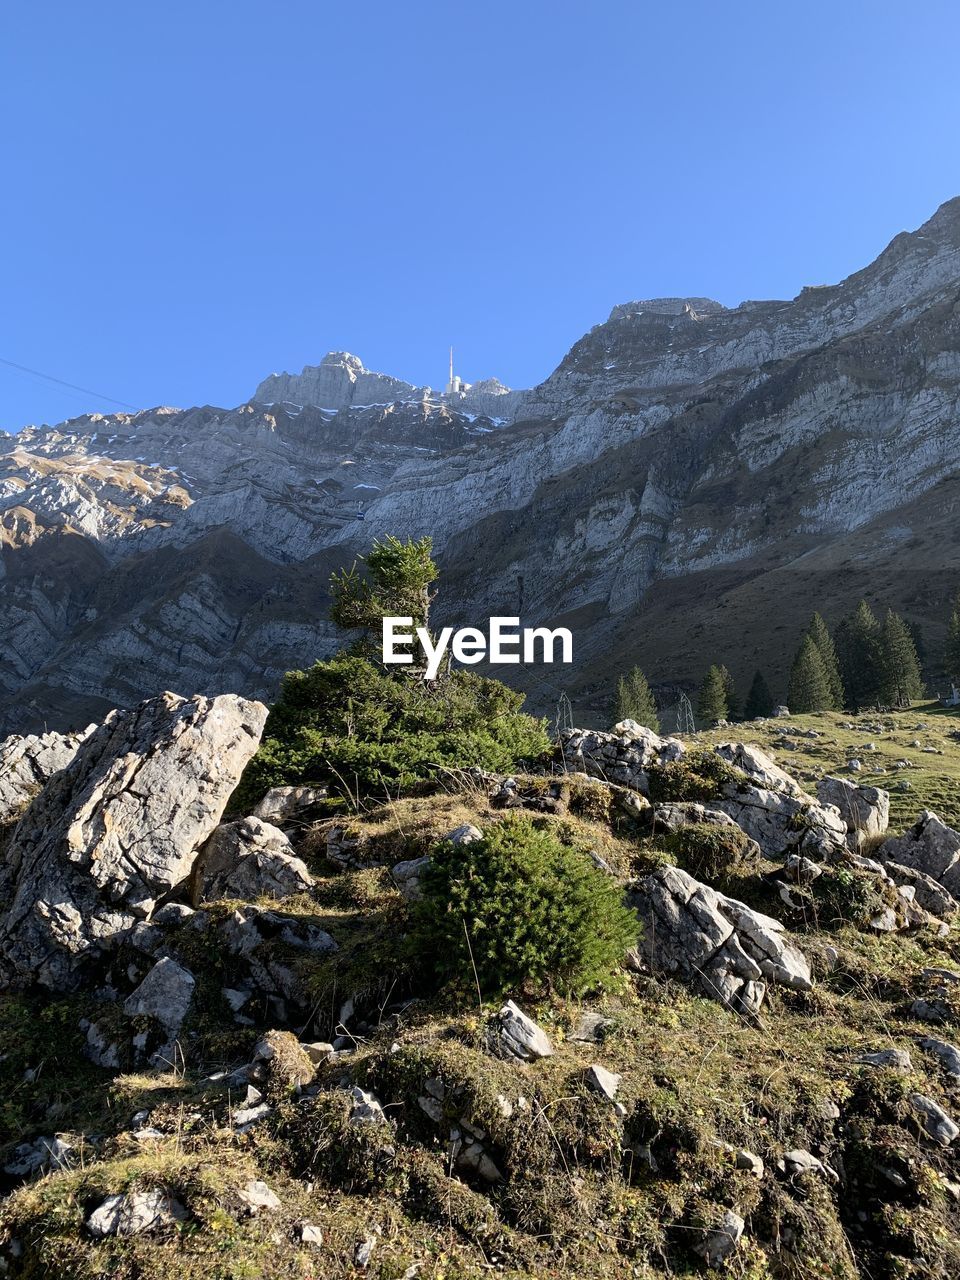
[
  {"x": 709, "y": 850},
  {"x": 525, "y": 910},
  {"x": 695, "y": 777},
  {"x": 350, "y": 724},
  {"x": 845, "y": 895}
]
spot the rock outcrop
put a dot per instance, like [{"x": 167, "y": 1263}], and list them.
[
  {"x": 249, "y": 859},
  {"x": 619, "y": 757},
  {"x": 721, "y": 946},
  {"x": 118, "y": 829},
  {"x": 930, "y": 846},
  {"x": 865, "y": 810},
  {"x": 28, "y": 763},
  {"x": 773, "y": 809}
]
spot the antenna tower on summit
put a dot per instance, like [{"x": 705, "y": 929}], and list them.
[{"x": 456, "y": 386}]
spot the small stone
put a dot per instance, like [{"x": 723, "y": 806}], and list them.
[
  {"x": 798, "y": 1161},
  {"x": 364, "y": 1252},
  {"x": 318, "y": 1051},
  {"x": 283, "y": 803},
  {"x": 135, "y": 1213},
  {"x": 43, "y": 1153},
  {"x": 520, "y": 1035},
  {"x": 934, "y": 1121},
  {"x": 749, "y": 1162},
  {"x": 310, "y": 1234},
  {"x": 898, "y": 1059},
  {"x": 250, "y": 1115},
  {"x": 464, "y": 834},
  {"x": 366, "y": 1108},
  {"x": 948, "y": 1054},
  {"x": 256, "y": 1195},
  {"x": 431, "y": 1107},
  {"x": 719, "y": 1243},
  {"x": 602, "y": 1081},
  {"x": 590, "y": 1027}
]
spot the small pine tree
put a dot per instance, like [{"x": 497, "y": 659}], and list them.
[
  {"x": 900, "y": 671},
  {"x": 397, "y": 585},
  {"x": 635, "y": 700},
  {"x": 952, "y": 655},
  {"x": 809, "y": 685},
  {"x": 730, "y": 692},
  {"x": 858, "y": 650},
  {"x": 520, "y": 909},
  {"x": 712, "y": 704},
  {"x": 820, "y": 635},
  {"x": 759, "y": 699}
]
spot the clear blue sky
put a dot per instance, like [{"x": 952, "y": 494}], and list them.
[{"x": 199, "y": 193}]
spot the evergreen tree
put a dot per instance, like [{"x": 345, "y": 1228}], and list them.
[
  {"x": 712, "y": 704},
  {"x": 730, "y": 692},
  {"x": 809, "y": 684},
  {"x": 952, "y": 655},
  {"x": 759, "y": 699},
  {"x": 900, "y": 670},
  {"x": 858, "y": 651},
  {"x": 396, "y": 585},
  {"x": 916, "y": 635},
  {"x": 820, "y": 635},
  {"x": 635, "y": 701}
]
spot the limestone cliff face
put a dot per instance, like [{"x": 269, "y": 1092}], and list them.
[{"x": 687, "y": 484}]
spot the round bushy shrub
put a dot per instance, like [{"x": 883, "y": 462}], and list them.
[
  {"x": 524, "y": 910},
  {"x": 709, "y": 850},
  {"x": 696, "y": 777},
  {"x": 350, "y": 724}
]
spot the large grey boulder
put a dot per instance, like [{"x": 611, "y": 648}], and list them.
[
  {"x": 773, "y": 809},
  {"x": 249, "y": 859},
  {"x": 759, "y": 768},
  {"x": 622, "y": 756},
  {"x": 28, "y": 763},
  {"x": 118, "y": 828},
  {"x": 929, "y": 846},
  {"x": 864, "y": 810},
  {"x": 717, "y": 944}
]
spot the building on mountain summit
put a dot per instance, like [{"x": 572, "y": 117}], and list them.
[{"x": 456, "y": 386}]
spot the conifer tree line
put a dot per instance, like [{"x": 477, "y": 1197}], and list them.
[{"x": 867, "y": 661}]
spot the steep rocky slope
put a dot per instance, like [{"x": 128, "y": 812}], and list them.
[
  {"x": 685, "y": 487},
  {"x": 223, "y": 1056}
]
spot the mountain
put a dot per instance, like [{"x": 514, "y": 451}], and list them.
[
  {"x": 689, "y": 483},
  {"x": 340, "y": 380}
]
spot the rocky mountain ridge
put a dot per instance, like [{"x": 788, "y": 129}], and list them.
[
  {"x": 685, "y": 464},
  {"x": 340, "y": 380}
]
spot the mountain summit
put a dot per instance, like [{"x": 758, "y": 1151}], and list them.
[{"x": 340, "y": 380}]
